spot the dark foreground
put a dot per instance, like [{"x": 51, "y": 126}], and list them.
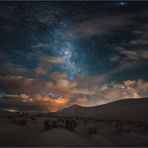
[{"x": 26, "y": 129}]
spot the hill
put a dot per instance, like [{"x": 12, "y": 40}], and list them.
[{"x": 129, "y": 110}]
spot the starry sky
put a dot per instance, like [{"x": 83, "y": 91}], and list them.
[{"x": 56, "y": 54}]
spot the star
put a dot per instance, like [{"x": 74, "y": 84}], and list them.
[{"x": 122, "y": 3}]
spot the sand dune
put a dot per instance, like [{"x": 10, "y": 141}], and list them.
[
  {"x": 129, "y": 110},
  {"x": 120, "y": 123}
]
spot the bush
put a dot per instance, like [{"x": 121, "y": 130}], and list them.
[{"x": 92, "y": 131}]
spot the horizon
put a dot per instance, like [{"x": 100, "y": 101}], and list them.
[{"x": 15, "y": 110}]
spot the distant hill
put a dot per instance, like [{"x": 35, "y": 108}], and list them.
[{"x": 128, "y": 109}]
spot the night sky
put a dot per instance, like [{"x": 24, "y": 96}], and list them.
[{"x": 56, "y": 54}]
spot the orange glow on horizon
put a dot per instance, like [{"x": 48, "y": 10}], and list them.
[
  {"x": 61, "y": 100},
  {"x": 53, "y": 109}
]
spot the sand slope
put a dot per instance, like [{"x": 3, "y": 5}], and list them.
[
  {"x": 129, "y": 109},
  {"x": 121, "y": 123}
]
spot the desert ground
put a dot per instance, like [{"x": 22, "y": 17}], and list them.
[{"x": 76, "y": 126}]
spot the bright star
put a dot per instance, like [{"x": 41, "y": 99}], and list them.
[{"x": 122, "y": 3}]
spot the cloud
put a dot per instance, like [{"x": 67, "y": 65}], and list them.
[
  {"x": 61, "y": 81},
  {"x": 139, "y": 85},
  {"x": 126, "y": 89},
  {"x": 135, "y": 54},
  {"x": 62, "y": 93},
  {"x": 139, "y": 42},
  {"x": 115, "y": 59},
  {"x": 126, "y": 65},
  {"x": 142, "y": 39},
  {"x": 26, "y": 83},
  {"x": 109, "y": 92},
  {"x": 44, "y": 103},
  {"x": 41, "y": 70},
  {"x": 12, "y": 102},
  {"x": 10, "y": 68},
  {"x": 63, "y": 84},
  {"x": 17, "y": 83},
  {"x": 92, "y": 80},
  {"x": 57, "y": 75},
  {"x": 98, "y": 26},
  {"x": 52, "y": 60},
  {"x": 40, "y": 46},
  {"x": 128, "y": 59},
  {"x": 105, "y": 92},
  {"x": 118, "y": 91},
  {"x": 30, "y": 91},
  {"x": 82, "y": 91}
]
